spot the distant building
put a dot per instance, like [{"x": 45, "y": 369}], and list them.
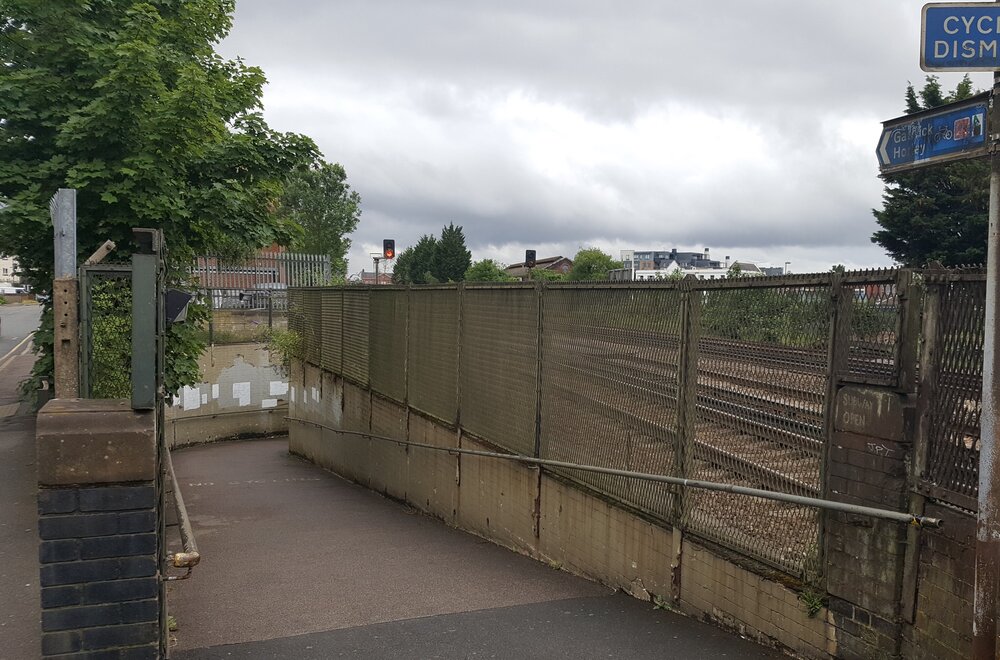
[
  {"x": 660, "y": 260},
  {"x": 555, "y": 264},
  {"x": 369, "y": 278},
  {"x": 9, "y": 273},
  {"x": 669, "y": 269}
]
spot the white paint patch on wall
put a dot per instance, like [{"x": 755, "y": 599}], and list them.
[
  {"x": 215, "y": 391},
  {"x": 241, "y": 392},
  {"x": 204, "y": 399},
  {"x": 278, "y": 388},
  {"x": 315, "y": 394},
  {"x": 269, "y": 403},
  {"x": 190, "y": 397}
]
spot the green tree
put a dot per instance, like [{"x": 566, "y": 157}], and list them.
[
  {"x": 128, "y": 103},
  {"x": 592, "y": 264},
  {"x": 487, "y": 270},
  {"x": 546, "y": 275},
  {"x": 413, "y": 265},
  {"x": 320, "y": 201},
  {"x": 451, "y": 257},
  {"x": 937, "y": 212}
]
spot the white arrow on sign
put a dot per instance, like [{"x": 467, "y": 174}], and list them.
[{"x": 882, "y": 147}]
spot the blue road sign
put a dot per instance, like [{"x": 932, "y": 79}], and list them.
[
  {"x": 949, "y": 132},
  {"x": 963, "y": 36}
]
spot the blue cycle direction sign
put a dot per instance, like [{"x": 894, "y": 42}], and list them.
[
  {"x": 962, "y": 36},
  {"x": 949, "y": 132}
]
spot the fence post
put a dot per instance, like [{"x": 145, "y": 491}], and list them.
[
  {"x": 65, "y": 296},
  {"x": 925, "y": 394},
  {"x": 687, "y": 413},
  {"x": 539, "y": 354}
]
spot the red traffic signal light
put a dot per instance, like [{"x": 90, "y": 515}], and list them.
[{"x": 388, "y": 248}]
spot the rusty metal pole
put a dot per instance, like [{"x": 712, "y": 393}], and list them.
[{"x": 984, "y": 623}]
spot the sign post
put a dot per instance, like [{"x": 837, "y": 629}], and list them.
[
  {"x": 966, "y": 37},
  {"x": 984, "y": 622}
]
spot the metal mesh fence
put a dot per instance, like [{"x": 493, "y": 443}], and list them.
[
  {"x": 610, "y": 358},
  {"x": 248, "y": 297},
  {"x": 106, "y": 329},
  {"x": 296, "y": 317},
  {"x": 762, "y": 375},
  {"x": 724, "y": 381},
  {"x": 312, "y": 309},
  {"x": 387, "y": 342},
  {"x": 432, "y": 369},
  {"x": 956, "y": 404},
  {"x": 331, "y": 331},
  {"x": 872, "y": 306},
  {"x": 355, "y": 344},
  {"x": 499, "y": 370}
]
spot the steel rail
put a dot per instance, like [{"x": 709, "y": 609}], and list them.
[
  {"x": 884, "y": 514},
  {"x": 190, "y": 556}
]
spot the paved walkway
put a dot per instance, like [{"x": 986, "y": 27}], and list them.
[
  {"x": 20, "y": 615},
  {"x": 298, "y": 563}
]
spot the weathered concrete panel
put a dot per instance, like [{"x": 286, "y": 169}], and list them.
[
  {"x": 241, "y": 394},
  {"x": 876, "y": 413},
  {"x": 90, "y": 441},
  {"x": 716, "y": 589},
  {"x": 355, "y": 450},
  {"x": 497, "y": 499},
  {"x": 432, "y": 484},
  {"x": 387, "y": 460},
  {"x": 587, "y": 535}
]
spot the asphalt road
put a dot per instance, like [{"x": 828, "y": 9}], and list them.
[{"x": 16, "y": 323}]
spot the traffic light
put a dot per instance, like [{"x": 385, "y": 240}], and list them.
[
  {"x": 388, "y": 248},
  {"x": 529, "y": 258}
]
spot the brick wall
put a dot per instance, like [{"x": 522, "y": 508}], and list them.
[
  {"x": 99, "y": 547},
  {"x": 942, "y": 627},
  {"x": 99, "y": 573}
]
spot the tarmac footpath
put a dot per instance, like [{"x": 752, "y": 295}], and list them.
[
  {"x": 299, "y": 563},
  {"x": 20, "y": 609}
]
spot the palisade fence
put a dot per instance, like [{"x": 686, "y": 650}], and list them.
[
  {"x": 728, "y": 380},
  {"x": 249, "y": 297}
]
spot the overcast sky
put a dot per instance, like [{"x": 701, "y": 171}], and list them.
[{"x": 745, "y": 127}]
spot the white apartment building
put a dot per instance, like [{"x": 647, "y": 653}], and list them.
[{"x": 8, "y": 270}]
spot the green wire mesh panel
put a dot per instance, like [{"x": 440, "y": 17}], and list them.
[
  {"x": 387, "y": 342},
  {"x": 356, "y": 335},
  {"x": 956, "y": 408},
  {"x": 331, "y": 333},
  {"x": 499, "y": 369},
  {"x": 610, "y": 371},
  {"x": 296, "y": 322},
  {"x": 312, "y": 314},
  {"x": 762, "y": 376},
  {"x": 108, "y": 350},
  {"x": 432, "y": 364},
  {"x": 872, "y": 307}
]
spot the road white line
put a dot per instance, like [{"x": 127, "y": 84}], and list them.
[{"x": 9, "y": 357}]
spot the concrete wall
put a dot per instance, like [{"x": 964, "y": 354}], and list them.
[
  {"x": 241, "y": 394},
  {"x": 541, "y": 515}
]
